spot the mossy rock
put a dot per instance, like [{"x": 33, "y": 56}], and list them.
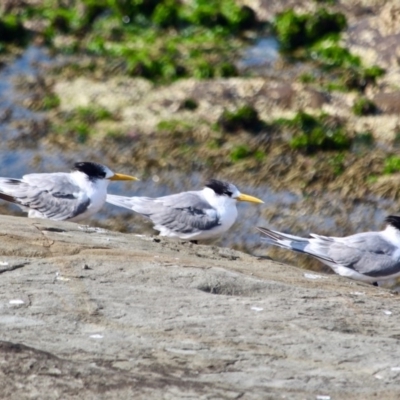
[
  {"x": 12, "y": 30},
  {"x": 245, "y": 118},
  {"x": 312, "y": 134},
  {"x": 296, "y": 30},
  {"x": 364, "y": 106}
]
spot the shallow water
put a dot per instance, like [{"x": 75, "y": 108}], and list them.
[
  {"x": 264, "y": 53},
  {"x": 287, "y": 211},
  {"x": 29, "y": 63}
]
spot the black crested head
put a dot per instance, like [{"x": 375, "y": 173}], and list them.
[
  {"x": 92, "y": 170},
  {"x": 220, "y": 187},
  {"x": 393, "y": 220}
]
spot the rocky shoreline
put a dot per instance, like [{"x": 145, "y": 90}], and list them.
[
  {"x": 181, "y": 128},
  {"x": 88, "y": 313}
]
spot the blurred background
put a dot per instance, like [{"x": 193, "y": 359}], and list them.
[{"x": 296, "y": 102}]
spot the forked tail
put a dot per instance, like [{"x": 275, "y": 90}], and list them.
[
  {"x": 286, "y": 241},
  {"x": 120, "y": 201},
  {"x": 317, "y": 246}
]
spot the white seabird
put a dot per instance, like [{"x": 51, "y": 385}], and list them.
[
  {"x": 367, "y": 256},
  {"x": 62, "y": 196},
  {"x": 194, "y": 215}
]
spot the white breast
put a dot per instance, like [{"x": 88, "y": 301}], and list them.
[{"x": 95, "y": 191}]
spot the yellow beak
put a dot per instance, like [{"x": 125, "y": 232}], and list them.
[
  {"x": 246, "y": 197},
  {"x": 122, "y": 177}
]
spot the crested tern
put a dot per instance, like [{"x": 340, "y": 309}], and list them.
[
  {"x": 194, "y": 215},
  {"x": 62, "y": 196},
  {"x": 366, "y": 256}
]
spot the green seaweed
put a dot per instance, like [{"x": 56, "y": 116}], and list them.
[
  {"x": 364, "y": 106},
  {"x": 307, "y": 78},
  {"x": 312, "y": 134},
  {"x": 239, "y": 153},
  {"x": 159, "y": 40},
  {"x": 91, "y": 114},
  {"x": 12, "y": 30},
  {"x": 298, "y": 30},
  {"x": 372, "y": 179},
  {"x": 78, "y": 122},
  {"x": 50, "y": 101},
  {"x": 242, "y": 152},
  {"x": 337, "y": 163},
  {"x": 391, "y": 165},
  {"x": 363, "y": 139},
  {"x": 317, "y": 37},
  {"x": 175, "y": 127},
  {"x": 244, "y": 118},
  {"x": 189, "y": 104},
  {"x": 331, "y": 54}
]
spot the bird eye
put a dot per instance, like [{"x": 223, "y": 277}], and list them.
[{"x": 228, "y": 192}]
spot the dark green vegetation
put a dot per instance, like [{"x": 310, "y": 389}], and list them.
[
  {"x": 300, "y": 30},
  {"x": 363, "y": 140},
  {"x": 240, "y": 135},
  {"x": 78, "y": 123},
  {"x": 12, "y": 31},
  {"x": 337, "y": 163},
  {"x": 245, "y": 118},
  {"x": 241, "y": 152},
  {"x": 50, "y": 101},
  {"x": 189, "y": 104},
  {"x": 364, "y": 106},
  {"x": 175, "y": 127},
  {"x": 392, "y": 165},
  {"x": 311, "y": 134},
  {"x": 159, "y": 40},
  {"x": 316, "y": 37}
]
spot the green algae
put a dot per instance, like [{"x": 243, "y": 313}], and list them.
[
  {"x": 363, "y": 140},
  {"x": 312, "y": 134},
  {"x": 189, "y": 104},
  {"x": 295, "y": 30},
  {"x": 316, "y": 37},
  {"x": 159, "y": 40},
  {"x": 244, "y": 118},
  {"x": 79, "y": 123},
  {"x": 391, "y": 165},
  {"x": 50, "y": 101},
  {"x": 12, "y": 30},
  {"x": 337, "y": 163},
  {"x": 363, "y": 106},
  {"x": 239, "y": 152}
]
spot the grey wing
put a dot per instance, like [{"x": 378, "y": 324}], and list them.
[
  {"x": 183, "y": 212},
  {"x": 367, "y": 253},
  {"x": 54, "y": 196}
]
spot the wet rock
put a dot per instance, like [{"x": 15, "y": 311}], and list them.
[
  {"x": 267, "y": 9},
  {"x": 280, "y": 94},
  {"x": 316, "y": 99},
  {"x": 153, "y": 319},
  {"x": 388, "y": 102},
  {"x": 376, "y": 38}
]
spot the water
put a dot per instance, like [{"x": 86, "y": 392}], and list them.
[
  {"x": 264, "y": 53},
  {"x": 18, "y": 160},
  {"x": 283, "y": 210},
  {"x": 30, "y": 63}
]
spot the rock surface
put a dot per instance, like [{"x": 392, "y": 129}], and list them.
[{"x": 93, "y": 314}]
